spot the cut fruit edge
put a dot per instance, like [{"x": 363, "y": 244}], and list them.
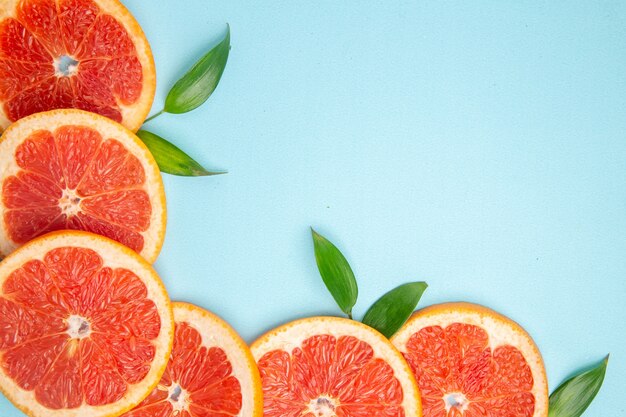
[
  {"x": 134, "y": 115},
  {"x": 53, "y": 119},
  {"x": 114, "y": 255},
  {"x": 500, "y": 329},
  {"x": 292, "y": 334},
  {"x": 216, "y": 332}
]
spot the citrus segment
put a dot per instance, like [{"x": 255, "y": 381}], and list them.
[
  {"x": 67, "y": 169},
  {"x": 85, "y": 326},
  {"x": 211, "y": 372},
  {"x": 471, "y": 361},
  {"x": 326, "y": 366},
  {"x": 85, "y": 54}
]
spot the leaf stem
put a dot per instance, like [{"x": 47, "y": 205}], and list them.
[
  {"x": 154, "y": 116},
  {"x": 350, "y": 315}
]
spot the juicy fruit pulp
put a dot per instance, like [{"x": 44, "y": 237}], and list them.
[
  {"x": 74, "y": 330},
  {"x": 329, "y": 376},
  {"x": 459, "y": 375},
  {"x": 197, "y": 382},
  {"x": 66, "y": 54},
  {"x": 73, "y": 178}
]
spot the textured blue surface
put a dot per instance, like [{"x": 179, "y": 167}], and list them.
[{"x": 481, "y": 148}]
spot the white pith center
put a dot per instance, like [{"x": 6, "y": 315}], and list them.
[
  {"x": 69, "y": 203},
  {"x": 455, "y": 400},
  {"x": 178, "y": 397},
  {"x": 78, "y": 327},
  {"x": 65, "y": 66},
  {"x": 323, "y": 406}
]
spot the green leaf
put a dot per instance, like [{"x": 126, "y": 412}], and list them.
[
  {"x": 171, "y": 159},
  {"x": 336, "y": 273},
  {"x": 197, "y": 85},
  {"x": 573, "y": 396},
  {"x": 393, "y": 309}
]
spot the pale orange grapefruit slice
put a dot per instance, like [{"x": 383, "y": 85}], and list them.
[
  {"x": 70, "y": 169},
  {"x": 328, "y": 366},
  {"x": 85, "y": 54},
  {"x": 86, "y": 327},
  {"x": 211, "y": 372},
  {"x": 471, "y": 361}
]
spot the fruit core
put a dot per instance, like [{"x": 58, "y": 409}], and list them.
[
  {"x": 69, "y": 202},
  {"x": 323, "y": 406},
  {"x": 78, "y": 327},
  {"x": 455, "y": 400},
  {"x": 65, "y": 66},
  {"x": 178, "y": 397}
]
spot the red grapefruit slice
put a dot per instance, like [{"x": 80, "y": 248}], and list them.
[
  {"x": 211, "y": 372},
  {"x": 328, "y": 366},
  {"x": 85, "y": 54},
  {"x": 70, "y": 169},
  {"x": 471, "y": 361},
  {"x": 86, "y": 327}
]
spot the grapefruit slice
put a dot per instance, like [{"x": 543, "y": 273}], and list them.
[
  {"x": 471, "y": 361},
  {"x": 328, "y": 366},
  {"x": 85, "y": 54},
  {"x": 70, "y": 169},
  {"x": 86, "y": 327},
  {"x": 211, "y": 372}
]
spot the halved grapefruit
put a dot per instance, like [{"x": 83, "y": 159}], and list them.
[
  {"x": 70, "y": 169},
  {"x": 328, "y": 366},
  {"x": 85, "y": 54},
  {"x": 471, "y": 361},
  {"x": 86, "y": 327},
  {"x": 211, "y": 372}
]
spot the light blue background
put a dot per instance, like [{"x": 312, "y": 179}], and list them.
[{"x": 479, "y": 147}]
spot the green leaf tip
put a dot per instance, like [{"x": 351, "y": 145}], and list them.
[
  {"x": 171, "y": 159},
  {"x": 573, "y": 396},
  {"x": 393, "y": 309},
  {"x": 197, "y": 85},
  {"x": 336, "y": 273}
]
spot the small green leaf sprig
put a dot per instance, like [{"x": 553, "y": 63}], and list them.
[
  {"x": 389, "y": 313},
  {"x": 573, "y": 396},
  {"x": 336, "y": 273},
  {"x": 188, "y": 93}
]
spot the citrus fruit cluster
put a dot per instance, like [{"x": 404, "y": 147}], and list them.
[
  {"x": 86, "y": 325},
  {"x": 87, "y": 329}
]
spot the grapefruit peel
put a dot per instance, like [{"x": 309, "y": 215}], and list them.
[
  {"x": 72, "y": 194},
  {"x": 59, "y": 54},
  {"x": 210, "y": 367},
  {"x": 469, "y": 358},
  {"x": 327, "y": 366},
  {"x": 115, "y": 257}
]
